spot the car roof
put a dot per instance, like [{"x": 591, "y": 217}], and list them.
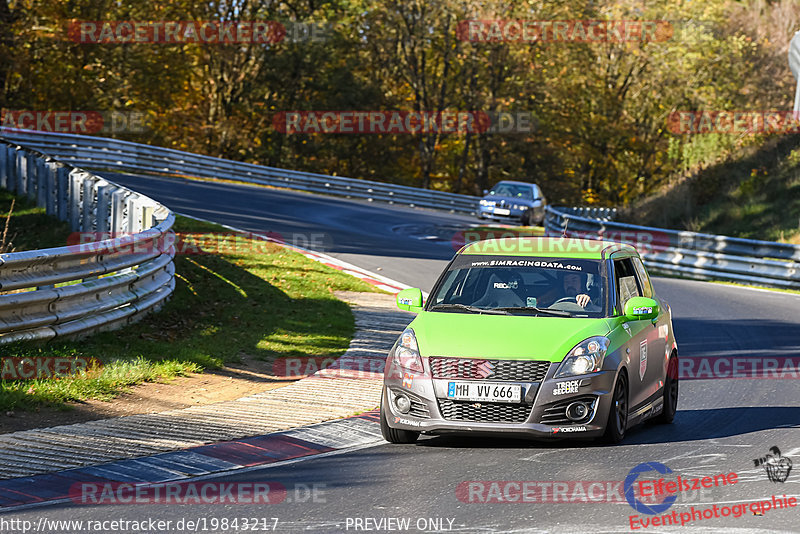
[{"x": 548, "y": 247}]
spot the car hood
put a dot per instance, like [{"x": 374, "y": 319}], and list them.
[
  {"x": 508, "y": 200},
  {"x": 507, "y": 337}
]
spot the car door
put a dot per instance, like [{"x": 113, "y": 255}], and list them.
[{"x": 641, "y": 348}]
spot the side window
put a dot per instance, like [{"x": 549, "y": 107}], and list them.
[
  {"x": 451, "y": 287},
  {"x": 627, "y": 284},
  {"x": 647, "y": 288}
]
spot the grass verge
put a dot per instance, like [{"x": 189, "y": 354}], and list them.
[{"x": 257, "y": 300}]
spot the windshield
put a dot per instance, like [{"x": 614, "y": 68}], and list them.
[
  {"x": 521, "y": 285},
  {"x": 513, "y": 190}
]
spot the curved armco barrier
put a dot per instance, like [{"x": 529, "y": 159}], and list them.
[
  {"x": 86, "y": 287},
  {"x": 690, "y": 254},
  {"x": 103, "y": 153}
]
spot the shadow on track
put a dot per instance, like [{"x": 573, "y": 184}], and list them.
[
  {"x": 689, "y": 425},
  {"x": 753, "y": 338}
]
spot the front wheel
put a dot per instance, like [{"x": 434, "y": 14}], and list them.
[
  {"x": 670, "y": 393},
  {"x": 395, "y": 435},
  {"x": 527, "y": 218},
  {"x": 618, "y": 414}
]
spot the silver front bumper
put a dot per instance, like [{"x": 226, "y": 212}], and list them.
[{"x": 537, "y": 416}]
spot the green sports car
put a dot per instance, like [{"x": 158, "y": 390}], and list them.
[{"x": 533, "y": 337}]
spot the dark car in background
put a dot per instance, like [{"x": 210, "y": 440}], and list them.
[{"x": 513, "y": 202}]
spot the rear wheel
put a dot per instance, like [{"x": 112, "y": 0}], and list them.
[
  {"x": 395, "y": 435},
  {"x": 618, "y": 414},
  {"x": 670, "y": 393}
]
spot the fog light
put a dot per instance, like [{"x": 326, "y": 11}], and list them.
[
  {"x": 402, "y": 403},
  {"x": 577, "y": 411}
]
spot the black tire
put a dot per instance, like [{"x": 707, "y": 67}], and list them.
[
  {"x": 667, "y": 415},
  {"x": 527, "y": 218},
  {"x": 395, "y": 435},
  {"x": 618, "y": 412}
]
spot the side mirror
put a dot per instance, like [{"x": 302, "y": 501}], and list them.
[
  {"x": 410, "y": 300},
  {"x": 485, "y": 192},
  {"x": 638, "y": 308}
]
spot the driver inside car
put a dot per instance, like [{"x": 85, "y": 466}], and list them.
[{"x": 573, "y": 286}]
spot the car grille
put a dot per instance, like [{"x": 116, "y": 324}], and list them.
[
  {"x": 484, "y": 412},
  {"x": 418, "y": 408},
  {"x": 555, "y": 414},
  {"x": 470, "y": 368}
]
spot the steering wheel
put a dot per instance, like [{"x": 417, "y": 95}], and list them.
[{"x": 566, "y": 299}]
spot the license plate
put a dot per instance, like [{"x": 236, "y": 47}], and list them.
[
  {"x": 484, "y": 392},
  {"x": 502, "y": 211}
]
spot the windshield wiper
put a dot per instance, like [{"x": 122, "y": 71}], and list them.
[
  {"x": 474, "y": 309},
  {"x": 557, "y": 313}
]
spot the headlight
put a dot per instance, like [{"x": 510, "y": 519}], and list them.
[
  {"x": 586, "y": 357},
  {"x": 406, "y": 352},
  {"x": 484, "y": 202}
]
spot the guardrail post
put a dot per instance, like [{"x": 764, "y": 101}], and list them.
[
  {"x": 87, "y": 210},
  {"x": 43, "y": 183},
  {"x": 134, "y": 213},
  {"x": 75, "y": 199},
  {"x": 4, "y": 166},
  {"x": 61, "y": 192},
  {"x": 31, "y": 177},
  {"x": 11, "y": 158},
  {"x": 90, "y": 194},
  {"x": 51, "y": 182},
  {"x": 103, "y": 218},
  {"x": 119, "y": 211},
  {"x": 148, "y": 217},
  {"x": 20, "y": 183}
]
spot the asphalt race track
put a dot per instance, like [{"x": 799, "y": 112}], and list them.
[
  {"x": 721, "y": 427},
  {"x": 359, "y": 232}
]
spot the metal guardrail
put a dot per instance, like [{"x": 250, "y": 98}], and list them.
[
  {"x": 87, "y": 287},
  {"x": 603, "y": 214},
  {"x": 690, "y": 254},
  {"x": 111, "y": 154}
]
